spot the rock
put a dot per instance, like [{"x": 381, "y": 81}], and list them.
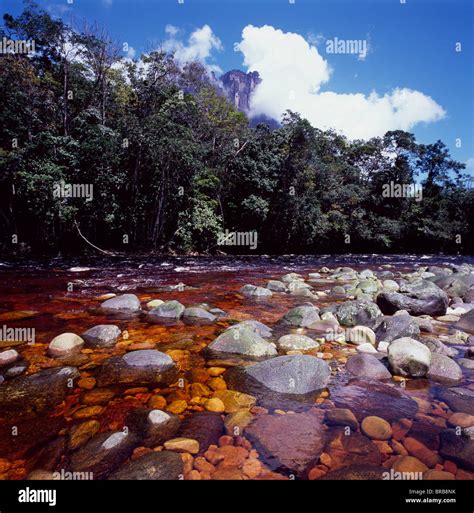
[
  {"x": 169, "y": 311},
  {"x": 409, "y": 464},
  {"x": 253, "y": 291},
  {"x": 255, "y": 326},
  {"x": 297, "y": 342},
  {"x": 41, "y": 475},
  {"x": 236, "y": 422},
  {"x": 290, "y": 277},
  {"x": 391, "y": 328},
  {"x": 194, "y": 315},
  {"x": 234, "y": 400},
  {"x": 205, "y": 427},
  {"x": 408, "y": 357},
  {"x": 97, "y": 396},
  {"x": 444, "y": 370},
  {"x": 462, "y": 420},
  {"x": 457, "y": 448},
  {"x": 154, "y": 303},
  {"x": 418, "y": 298},
  {"x": 436, "y": 346},
  {"x": 419, "y": 450},
  {"x": 103, "y": 454},
  {"x": 328, "y": 328},
  {"x": 214, "y": 404},
  {"x": 376, "y": 428},
  {"x": 80, "y": 434},
  {"x": 367, "y": 366},
  {"x": 276, "y": 286},
  {"x": 242, "y": 341},
  {"x": 358, "y": 312},
  {"x": 438, "y": 475},
  {"x": 182, "y": 445},
  {"x": 292, "y": 374},
  {"x": 355, "y": 473},
  {"x": 37, "y": 392},
  {"x": 142, "y": 367},
  {"x": 8, "y": 357},
  {"x": 125, "y": 302},
  {"x": 350, "y": 449},
  {"x": 102, "y": 335},
  {"x": 360, "y": 335},
  {"x": 16, "y": 370},
  {"x": 341, "y": 417},
  {"x": 466, "y": 322},
  {"x": 152, "y": 427},
  {"x": 366, "y": 398},
  {"x": 390, "y": 285},
  {"x": 366, "y": 348},
  {"x": 458, "y": 399},
  {"x": 296, "y": 286},
  {"x": 288, "y": 443},
  {"x": 65, "y": 344},
  {"x": 154, "y": 466},
  {"x": 301, "y": 316},
  {"x": 177, "y": 407}
]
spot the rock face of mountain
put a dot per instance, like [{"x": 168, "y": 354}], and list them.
[{"x": 238, "y": 87}]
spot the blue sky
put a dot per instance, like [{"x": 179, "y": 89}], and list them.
[{"x": 411, "y": 46}]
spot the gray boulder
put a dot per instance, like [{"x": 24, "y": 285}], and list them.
[
  {"x": 367, "y": 366},
  {"x": 352, "y": 313},
  {"x": 256, "y": 326},
  {"x": 153, "y": 427},
  {"x": 444, "y": 370},
  {"x": 125, "y": 302},
  {"x": 196, "y": 315},
  {"x": 408, "y": 357},
  {"x": 169, "y": 311},
  {"x": 390, "y": 328},
  {"x": 301, "y": 316},
  {"x": 242, "y": 341},
  {"x": 102, "y": 335},
  {"x": 154, "y": 466}
]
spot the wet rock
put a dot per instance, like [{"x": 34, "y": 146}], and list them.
[
  {"x": 408, "y": 357},
  {"x": 328, "y": 328},
  {"x": 194, "y": 315},
  {"x": 255, "y": 326},
  {"x": 102, "y": 335},
  {"x": 438, "y": 475},
  {"x": 214, "y": 404},
  {"x": 182, "y": 444},
  {"x": 242, "y": 341},
  {"x": 288, "y": 443},
  {"x": 361, "y": 335},
  {"x": 352, "y": 313},
  {"x": 276, "y": 286},
  {"x": 169, "y": 311},
  {"x": 465, "y": 362},
  {"x": 391, "y": 328},
  {"x": 458, "y": 448},
  {"x": 152, "y": 427},
  {"x": 301, "y": 316},
  {"x": 253, "y": 291},
  {"x": 8, "y": 357},
  {"x": 154, "y": 466},
  {"x": 418, "y": 298},
  {"x": 234, "y": 400},
  {"x": 462, "y": 420},
  {"x": 341, "y": 417},
  {"x": 236, "y": 422},
  {"x": 409, "y": 464},
  {"x": 365, "y": 398},
  {"x": 355, "y": 473},
  {"x": 390, "y": 286},
  {"x": 290, "y": 277},
  {"x": 65, "y": 344},
  {"x": 419, "y": 450},
  {"x": 80, "y": 434},
  {"x": 367, "y": 366},
  {"x": 142, "y": 367},
  {"x": 154, "y": 303},
  {"x": 436, "y": 346},
  {"x": 103, "y": 454},
  {"x": 444, "y": 370},
  {"x": 459, "y": 399},
  {"x": 350, "y": 449},
  {"x": 205, "y": 427},
  {"x": 16, "y": 370},
  {"x": 297, "y": 342},
  {"x": 366, "y": 348},
  {"x": 376, "y": 428},
  {"x": 298, "y": 286},
  {"x": 37, "y": 392},
  {"x": 466, "y": 322},
  {"x": 125, "y": 302}
]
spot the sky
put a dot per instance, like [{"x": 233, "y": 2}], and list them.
[{"x": 413, "y": 68}]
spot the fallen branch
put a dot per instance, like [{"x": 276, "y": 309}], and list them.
[{"x": 90, "y": 243}]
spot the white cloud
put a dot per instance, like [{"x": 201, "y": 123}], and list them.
[
  {"x": 470, "y": 164},
  {"x": 293, "y": 71},
  {"x": 200, "y": 46}
]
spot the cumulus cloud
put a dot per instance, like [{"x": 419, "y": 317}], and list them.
[
  {"x": 470, "y": 164},
  {"x": 200, "y": 46},
  {"x": 293, "y": 71}
]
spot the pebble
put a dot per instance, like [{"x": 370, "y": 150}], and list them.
[
  {"x": 177, "y": 407},
  {"x": 376, "y": 428},
  {"x": 217, "y": 384},
  {"x": 438, "y": 475},
  {"x": 182, "y": 445},
  {"x": 409, "y": 464},
  {"x": 87, "y": 383},
  {"x": 420, "y": 451},
  {"x": 88, "y": 411},
  {"x": 8, "y": 357},
  {"x": 215, "y": 404},
  {"x": 82, "y": 433},
  {"x": 216, "y": 371},
  {"x": 252, "y": 468},
  {"x": 236, "y": 422},
  {"x": 316, "y": 473},
  {"x": 462, "y": 420},
  {"x": 97, "y": 396},
  {"x": 157, "y": 402},
  {"x": 203, "y": 465}
]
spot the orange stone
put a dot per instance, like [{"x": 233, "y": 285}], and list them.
[
  {"x": 157, "y": 402},
  {"x": 203, "y": 465},
  {"x": 87, "y": 383},
  {"x": 420, "y": 451},
  {"x": 217, "y": 384},
  {"x": 315, "y": 473},
  {"x": 252, "y": 468}
]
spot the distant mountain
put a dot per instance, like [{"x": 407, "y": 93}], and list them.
[{"x": 238, "y": 87}]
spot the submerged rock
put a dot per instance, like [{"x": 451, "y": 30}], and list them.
[
  {"x": 169, "y": 311},
  {"x": 288, "y": 443},
  {"x": 367, "y": 366},
  {"x": 242, "y": 341},
  {"x": 154, "y": 466},
  {"x": 127, "y": 302},
  {"x": 103, "y": 453},
  {"x": 458, "y": 448},
  {"x": 37, "y": 392},
  {"x": 466, "y": 322},
  {"x": 255, "y": 326},
  {"x": 65, "y": 344},
  {"x": 153, "y": 427},
  {"x": 408, "y": 357},
  {"x": 459, "y": 399},
  {"x": 253, "y": 291},
  {"x": 418, "y": 298},
  {"x": 205, "y": 427},
  {"x": 196, "y": 315},
  {"x": 102, "y": 335},
  {"x": 276, "y": 286},
  {"x": 142, "y": 367},
  {"x": 359, "y": 472},
  {"x": 444, "y": 370}
]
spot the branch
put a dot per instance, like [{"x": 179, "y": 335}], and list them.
[{"x": 90, "y": 243}]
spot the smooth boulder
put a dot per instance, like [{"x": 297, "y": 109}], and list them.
[
  {"x": 102, "y": 335},
  {"x": 242, "y": 341},
  {"x": 408, "y": 357},
  {"x": 125, "y": 302}
]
